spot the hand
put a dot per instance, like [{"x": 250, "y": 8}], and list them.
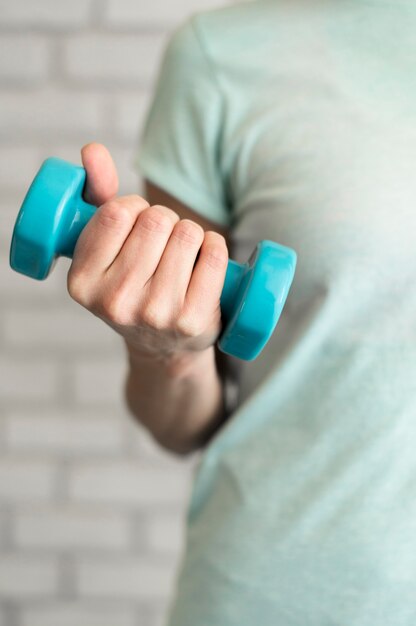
[{"x": 154, "y": 278}]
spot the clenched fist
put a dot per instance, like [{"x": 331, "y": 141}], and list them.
[{"x": 154, "y": 278}]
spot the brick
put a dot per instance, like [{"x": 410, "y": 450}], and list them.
[
  {"x": 99, "y": 381},
  {"x": 45, "y": 13},
  {"x": 166, "y": 533},
  {"x": 64, "y": 114},
  {"x": 71, "y": 529},
  {"x": 23, "y": 577},
  {"x": 23, "y": 59},
  {"x": 69, "y": 326},
  {"x": 63, "y": 433},
  {"x": 76, "y": 614},
  {"x": 124, "y": 579},
  {"x": 18, "y": 168},
  {"x": 25, "y": 481},
  {"x": 130, "y": 115},
  {"x": 130, "y": 13},
  {"x": 127, "y": 484},
  {"x": 113, "y": 60},
  {"x": 3, "y": 532},
  {"x": 23, "y": 380}
]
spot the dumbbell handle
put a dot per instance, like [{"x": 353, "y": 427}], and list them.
[{"x": 83, "y": 212}]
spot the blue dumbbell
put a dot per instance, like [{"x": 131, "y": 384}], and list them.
[{"x": 54, "y": 213}]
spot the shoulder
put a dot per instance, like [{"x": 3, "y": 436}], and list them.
[
  {"x": 235, "y": 36},
  {"x": 218, "y": 31}
]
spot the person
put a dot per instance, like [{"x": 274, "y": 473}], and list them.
[{"x": 293, "y": 121}]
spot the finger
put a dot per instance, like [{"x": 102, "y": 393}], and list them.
[
  {"x": 105, "y": 234},
  {"x": 207, "y": 281},
  {"x": 102, "y": 178},
  {"x": 144, "y": 247},
  {"x": 171, "y": 279}
]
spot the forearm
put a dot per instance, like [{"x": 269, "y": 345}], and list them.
[{"x": 179, "y": 400}]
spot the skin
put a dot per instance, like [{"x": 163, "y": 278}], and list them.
[{"x": 153, "y": 270}]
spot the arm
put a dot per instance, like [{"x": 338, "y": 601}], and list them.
[
  {"x": 154, "y": 275},
  {"x": 179, "y": 400}
]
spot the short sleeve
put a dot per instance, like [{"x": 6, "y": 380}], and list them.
[{"x": 180, "y": 143}]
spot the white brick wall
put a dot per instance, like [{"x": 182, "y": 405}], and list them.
[
  {"x": 127, "y": 483},
  {"x": 71, "y": 529},
  {"x": 17, "y": 165},
  {"x": 108, "y": 59},
  {"x": 28, "y": 380},
  {"x": 127, "y": 578},
  {"x": 166, "y": 533},
  {"x": 24, "y": 60},
  {"x": 45, "y": 14},
  {"x": 128, "y": 13},
  {"x": 66, "y": 114},
  {"x": 91, "y": 511},
  {"x": 69, "y": 433},
  {"x": 64, "y": 326},
  {"x": 25, "y": 480},
  {"x": 23, "y": 577},
  {"x": 77, "y": 614},
  {"x": 99, "y": 381}
]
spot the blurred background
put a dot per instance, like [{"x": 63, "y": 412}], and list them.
[{"x": 91, "y": 512}]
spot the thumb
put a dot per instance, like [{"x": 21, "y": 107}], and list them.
[{"x": 102, "y": 178}]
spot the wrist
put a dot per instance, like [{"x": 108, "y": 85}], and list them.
[{"x": 177, "y": 365}]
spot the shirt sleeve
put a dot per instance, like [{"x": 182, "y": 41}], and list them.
[{"x": 180, "y": 144}]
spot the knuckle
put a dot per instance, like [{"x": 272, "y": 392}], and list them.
[
  {"x": 188, "y": 326},
  {"x": 135, "y": 201},
  {"x": 114, "y": 215},
  {"x": 113, "y": 309},
  {"x": 189, "y": 232},
  {"x": 173, "y": 216},
  {"x": 121, "y": 212},
  {"x": 154, "y": 317},
  {"x": 156, "y": 219}
]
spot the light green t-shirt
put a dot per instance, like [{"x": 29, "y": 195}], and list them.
[{"x": 296, "y": 121}]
